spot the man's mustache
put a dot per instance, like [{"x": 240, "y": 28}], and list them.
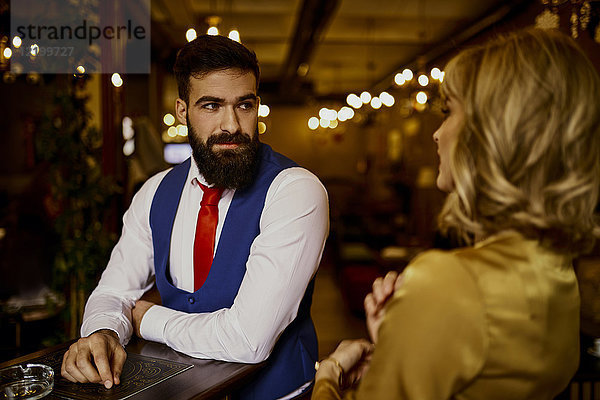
[{"x": 229, "y": 138}]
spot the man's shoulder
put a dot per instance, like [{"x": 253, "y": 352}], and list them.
[
  {"x": 298, "y": 176},
  {"x": 290, "y": 173},
  {"x": 299, "y": 186},
  {"x": 148, "y": 189}
]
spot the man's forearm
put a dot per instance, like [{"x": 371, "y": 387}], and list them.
[{"x": 104, "y": 311}]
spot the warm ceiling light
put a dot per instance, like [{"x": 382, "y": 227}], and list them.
[
  {"x": 234, "y": 34},
  {"x": 213, "y": 21},
  {"x": 169, "y": 119},
  {"x": 399, "y": 79},
  {"x": 345, "y": 113},
  {"x": 376, "y": 103},
  {"x": 80, "y": 69},
  {"x": 423, "y": 80},
  {"x": 262, "y": 128},
  {"x": 313, "y": 123},
  {"x": 407, "y": 74},
  {"x": 326, "y": 113},
  {"x": 331, "y": 115},
  {"x": 421, "y": 97},
  {"x": 127, "y": 125},
  {"x": 387, "y": 99},
  {"x": 17, "y": 42},
  {"x": 116, "y": 80},
  {"x": 365, "y": 97},
  {"x": 182, "y": 130},
  {"x": 190, "y": 34},
  {"x": 129, "y": 147},
  {"x": 263, "y": 110},
  {"x": 7, "y": 53},
  {"x": 323, "y": 113},
  {"x": 436, "y": 73},
  {"x": 354, "y": 101}
]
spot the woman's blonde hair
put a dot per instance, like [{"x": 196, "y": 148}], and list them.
[{"x": 528, "y": 157}]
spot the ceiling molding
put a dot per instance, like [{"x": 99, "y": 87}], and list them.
[
  {"x": 314, "y": 17},
  {"x": 461, "y": 36}
]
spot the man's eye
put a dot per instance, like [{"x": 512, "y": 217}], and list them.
[
  {"x": 210, "y": 106},
  {"x": 246, "y": 105}
]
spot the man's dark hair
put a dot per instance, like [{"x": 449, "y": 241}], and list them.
[{"x": 207, "y": 54}]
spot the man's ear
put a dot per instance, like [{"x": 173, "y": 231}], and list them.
[{"x": 181, "y": 111}]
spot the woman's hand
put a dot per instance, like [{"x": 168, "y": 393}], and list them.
[
  {"x": 383, "y": 290},
  {"x": 353, "y": 357}
]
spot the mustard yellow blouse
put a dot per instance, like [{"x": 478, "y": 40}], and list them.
[{"x": 499, "y": 320}]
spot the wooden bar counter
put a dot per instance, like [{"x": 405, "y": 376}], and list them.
[{"x": 157, "y": 373}]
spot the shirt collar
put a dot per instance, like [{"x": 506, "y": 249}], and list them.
[{"x": 195, "y": 176}]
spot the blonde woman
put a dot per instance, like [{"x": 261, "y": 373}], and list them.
[{"x": 498, "y": 319}]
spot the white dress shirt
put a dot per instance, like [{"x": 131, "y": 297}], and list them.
[{"x": 283, "y": 259}]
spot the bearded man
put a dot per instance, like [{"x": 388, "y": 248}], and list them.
[{"x": 231, "y": 238}]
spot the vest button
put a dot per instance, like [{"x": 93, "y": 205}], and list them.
[{"x": 191, "y": 300}]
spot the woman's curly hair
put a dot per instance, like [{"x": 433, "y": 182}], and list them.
[{"x": 528, "y": 156}]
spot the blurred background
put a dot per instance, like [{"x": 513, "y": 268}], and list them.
[{"x": 349, "y": 89}]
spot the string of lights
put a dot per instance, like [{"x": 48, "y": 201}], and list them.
[{"x": 421, "y": 89}]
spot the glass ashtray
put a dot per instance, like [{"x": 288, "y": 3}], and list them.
[{"x": 26, "y": 381}]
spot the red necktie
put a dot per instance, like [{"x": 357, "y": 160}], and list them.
[{"x": 206, "y": 227}]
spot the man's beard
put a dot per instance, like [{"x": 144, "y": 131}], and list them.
[{"x": 226, "y": 168}]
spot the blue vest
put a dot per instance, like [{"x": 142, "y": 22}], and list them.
[{"x": 291, "y": 363}]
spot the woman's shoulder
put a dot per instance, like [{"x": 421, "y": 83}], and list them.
[
  {"x": 467, "y": 269},
  {"x": 506, "y": 270},
  {"x": 438, "y": 274},
  {"x": 501, "y": 252}
]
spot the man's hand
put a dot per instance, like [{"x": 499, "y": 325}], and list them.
[
  {"x": 137, "y": 314},
  {"x": 149, "y": 299},
  {"x": 383, "y": 290},
  {"x": 98, "y": 358}
]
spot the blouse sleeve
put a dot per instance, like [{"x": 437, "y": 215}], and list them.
[
  {"x": 433, "y": 340},
  {"x": 326, "y": 389}
]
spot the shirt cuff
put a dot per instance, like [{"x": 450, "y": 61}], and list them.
[
  {"x": 154, "y": 323},
  {"x": 96, "y": 323}
]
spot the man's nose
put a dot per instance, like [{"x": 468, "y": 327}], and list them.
[{"x": 230, "y": 122}]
